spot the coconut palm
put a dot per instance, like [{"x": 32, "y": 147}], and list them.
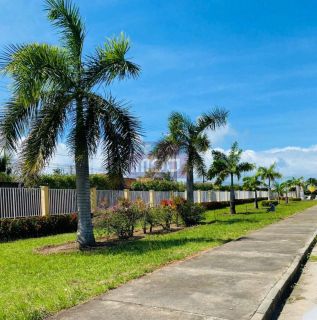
[
  {"x": 55, "y": 95},
  {"x": 253, "y": 183},
  {"x": 286, "y": 185},
  {"x": 224, "y": 166},
  {"x": 279, "y": 189},
  {"x": 298, "y": 183},
  {"x": 270, "y": 174},
  {"x": 189, "y": 138}
]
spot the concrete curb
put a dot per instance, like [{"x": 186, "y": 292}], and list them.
[{"x": 270, "y": 304}]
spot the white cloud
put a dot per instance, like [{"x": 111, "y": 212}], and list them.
[{"x": 290, "y": 160}]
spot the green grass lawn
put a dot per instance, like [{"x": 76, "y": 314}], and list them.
[{"x": 34, "y": 286}]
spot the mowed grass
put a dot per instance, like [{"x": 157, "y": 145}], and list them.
[{"x": 34, "y": 286}]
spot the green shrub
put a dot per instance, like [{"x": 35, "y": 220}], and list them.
[
  {"x": 122, "y": 219},
  {"x": 31, "y": 227},
  {"x": 267, "y": 203},
  {"x": 68, "y": 181},
  {"x": 158, "y": 185},
  {"x": 191, "y": 213},
  {"x": 160, "y": 216},
  {"x": 213, "y": 205},
  {"x": 295, "y": 199}
]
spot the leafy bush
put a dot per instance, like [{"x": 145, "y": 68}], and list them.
[
  {"x": 157, "y": 185},
  {"x": 68, "y": 181},
  {"x": 191, "y": 213},
  {"x": 31, "y": 227},
  {"x": 295, "y": 199},
  {"x": 121, "y": 219},
  {"x": 223, "y": 204},
  {"x": 267, "y": 203}
]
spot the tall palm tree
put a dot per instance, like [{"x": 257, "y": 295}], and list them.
[
  {"x": 269, "y": 174},
  {"x": 224, "y": 166},
  {"x": 55, "y": 95},
  {"x": 253, "y": 183},
  {"x": 298, "y": 183},
  {"x": 189, "y": 138}
]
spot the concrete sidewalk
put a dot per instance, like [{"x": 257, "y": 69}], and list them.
[
  {"x": 239, "y": 280},
  {"x": 302, "y": 304}
]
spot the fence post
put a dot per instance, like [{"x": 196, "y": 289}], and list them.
[
  {"x": 152, "y": 198},
  {"x": 93, "y": 199},
  {"x": 209, "y": 195},
  {"x": 199, "y": 196},
  {"x": 44, "y": 201},
  {"x": 126, "y": 194}
]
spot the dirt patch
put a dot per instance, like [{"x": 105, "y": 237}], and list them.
[{"x": 103, "y": 242}]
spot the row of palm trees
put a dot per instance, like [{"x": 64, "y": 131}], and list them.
[{"x": 56, "y": 94}]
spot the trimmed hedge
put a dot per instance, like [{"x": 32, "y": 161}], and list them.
[
  {"x": 267, "y": 203},
  {"x": 223, "y": 204},
  {"x": 31, "y": 227}
]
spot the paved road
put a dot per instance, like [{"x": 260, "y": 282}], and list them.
[
  {"x": 231, "y": 282},
  {"x": 302, "y": 304}
]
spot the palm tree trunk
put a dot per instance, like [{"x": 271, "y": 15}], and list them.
[
  {"x": 256, "y": 205},
  {"x": 190, "y": 184},
  {"x": 269, "y": 190},
  {"x": 232, "y": 198},
  {"x": 85, "y": 234}
]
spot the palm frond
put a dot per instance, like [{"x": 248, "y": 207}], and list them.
[
  {"x": 121, "y": 132},
  {"x": 212, "y": 120},
  {"x": 110, "y": 62},
  {"x": 199, "y": 164},
  {"x": 65, "y": 16},
  {"x": 35, "y": 69},
  {"x": 164, "y": 150},
  {"x": 14, "y": 121},
  {"x": 41, "y": 142}
]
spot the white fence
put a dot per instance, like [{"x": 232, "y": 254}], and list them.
[
  {"x": 22, "y": 202},
  {"x": 16, "y": 202}
]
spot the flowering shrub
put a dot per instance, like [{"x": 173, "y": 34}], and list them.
[
  {"x": 190, "y": 213},
  {"x": 31, "y": 227},
  {"x": 120, "y": 219}
]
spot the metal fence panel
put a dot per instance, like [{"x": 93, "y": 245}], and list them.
[
  {"x": 108, "y": 198},
  {"x": 143, "y": 195},
  {"x": 19, "y": 202},
  {"x": 62, "y": 201}
]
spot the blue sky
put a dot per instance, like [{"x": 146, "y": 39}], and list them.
[{"x": 258, "y": 59}]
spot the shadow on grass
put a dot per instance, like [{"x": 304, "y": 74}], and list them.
[{"x": 141, "y": 247}]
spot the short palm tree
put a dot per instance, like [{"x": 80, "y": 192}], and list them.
[
  {"x": 54, "y": 95},
  {"x": 298, "y": 183},
  {"x": 189, "y": 138},
  {"x": 252, "y": 183},
  {"x": 286, "y": 185},
  {"x": 279, "y": 189},
  {"x": 270, "y": 174},
  {"x": 224, "y": 166}
]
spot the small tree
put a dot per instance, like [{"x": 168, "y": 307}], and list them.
[
  {"x": 298, "y": 183},
  {"x": 189, "y": 138},
  {"x": 286, "y": 185},
  {"x": 224, "y": 166},
  {"x": 269, "y": 174},
  {"x": 252, "y": 183},
  {"x": 279, "y": 188}
]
